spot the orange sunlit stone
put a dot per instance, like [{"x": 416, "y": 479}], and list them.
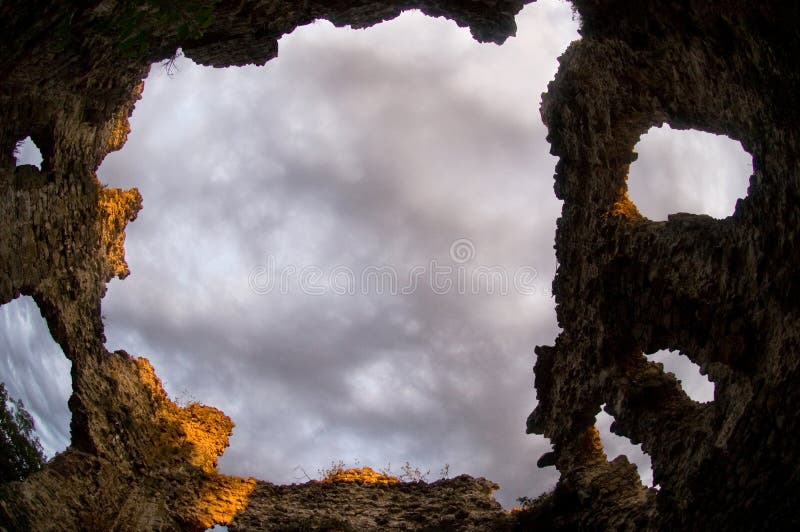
[
  {"x": 364, "y": 474},
  {"x": 116, "y": 208},
  {"x": 625, "y": 207}
]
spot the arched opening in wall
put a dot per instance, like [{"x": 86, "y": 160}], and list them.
[
  {"x": 688, "y": 171},
  {"x": 615, "y": 445},
  {"x": 696, "y": 385},
  {"x": 27, "y": 152},
  {"x": 35, "y": 370},
  {"x": 284, "y": 265}
]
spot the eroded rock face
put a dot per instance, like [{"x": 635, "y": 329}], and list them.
[{"x": 722, "y": 292}]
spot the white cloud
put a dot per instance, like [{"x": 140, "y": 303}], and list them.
[{"x": 688, "y": 171}]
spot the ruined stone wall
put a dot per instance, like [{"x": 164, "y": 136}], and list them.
[
  {"x": 723, "y": 292},
  {"x": 69, "y": 77}
]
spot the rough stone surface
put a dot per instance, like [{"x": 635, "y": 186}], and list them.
[
  {"x": 462, "y": 503},
  {"x": 722, "y": 292}
]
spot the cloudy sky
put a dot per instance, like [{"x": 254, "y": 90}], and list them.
[{"x": 349, "y": 250}]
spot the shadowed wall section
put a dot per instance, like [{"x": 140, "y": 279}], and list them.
[{"x": 718, "y": 291}]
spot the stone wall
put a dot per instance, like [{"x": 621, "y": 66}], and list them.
[{"x": 722, "y": 292}]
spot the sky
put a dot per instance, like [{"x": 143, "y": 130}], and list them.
[{"x": 350, "y": 250}]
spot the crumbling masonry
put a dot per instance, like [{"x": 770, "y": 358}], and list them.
[{"x": 722, "y": 292}]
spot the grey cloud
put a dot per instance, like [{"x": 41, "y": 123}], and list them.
[{"x": 284, "y": 360}]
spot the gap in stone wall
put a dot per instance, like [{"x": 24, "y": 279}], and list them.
[
  {"x": 615, "y": 445},
  {"x": 696, "y": 385},
  {"x": 688, "y": 171},
  {"x": 35, "y": 370},
  {"x": 27, "y": 152}
]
